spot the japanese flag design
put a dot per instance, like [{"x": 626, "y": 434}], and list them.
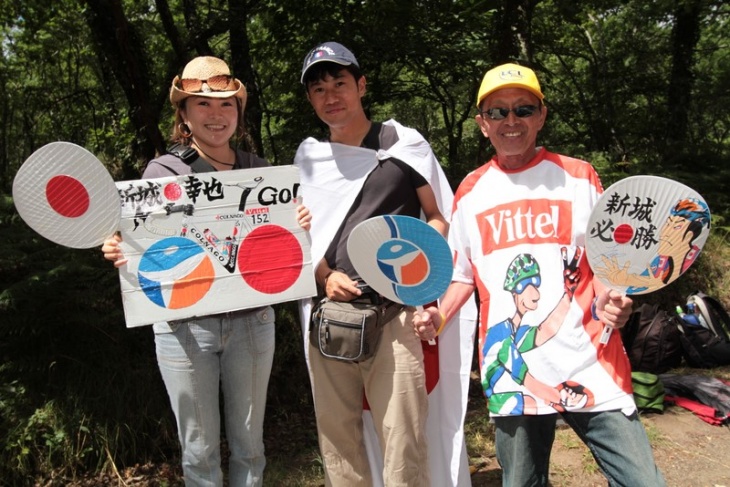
[{"x": 64, "y": 193}]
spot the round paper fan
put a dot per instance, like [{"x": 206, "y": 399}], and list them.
[
  {"x": 644, "y": 232},
  {"x": 63, "y": 192},
  {"x": 403, "y": 258}
]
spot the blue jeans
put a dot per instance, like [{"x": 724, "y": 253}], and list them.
[
  {"x": 617, "y": 442},
  {"x": 234, "y": 350}
]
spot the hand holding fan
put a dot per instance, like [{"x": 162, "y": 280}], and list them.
[
  {"x": 401, "y": 257},
  {"x": 644, "y": 232},
  {"x": 63, "y": 192}
]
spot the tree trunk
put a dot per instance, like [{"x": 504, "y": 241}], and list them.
[
  {"x": 242, "y": 67},
  {"x": 685, "y": 36},
  {"x": 119, "y": 44}
]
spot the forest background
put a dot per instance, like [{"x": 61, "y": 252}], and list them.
[{"x": 634, "y": 86}]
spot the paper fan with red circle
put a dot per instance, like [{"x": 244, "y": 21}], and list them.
[
  {"x": 644, "y": 232},
  {"x": 63, "y": 192}
]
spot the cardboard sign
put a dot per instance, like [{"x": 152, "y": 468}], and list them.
[
  {"x": 403, "y": 258},
  {"x": 644, "y": 232},
  {"x": 207, "y": 243}
]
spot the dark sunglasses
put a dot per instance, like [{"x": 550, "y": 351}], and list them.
[
  {"x": 220, "y": 82},
  {"x": 522, "y": 111}
]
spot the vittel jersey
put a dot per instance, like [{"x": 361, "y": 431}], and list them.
[{"x": 519, "y": 236}]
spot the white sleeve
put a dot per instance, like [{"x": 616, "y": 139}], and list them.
[{"x": 461, "y": 247}]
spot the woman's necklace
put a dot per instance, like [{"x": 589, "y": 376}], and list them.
[{"x": 229, "y": 164}]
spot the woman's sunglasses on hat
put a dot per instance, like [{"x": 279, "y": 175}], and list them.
[{"x": 221, "y": 82}]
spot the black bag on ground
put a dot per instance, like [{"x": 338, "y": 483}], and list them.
[
  {"x": 705, "y": 337},
  {"x": 711, "y": 314},
  {"x": 652, "y": 339},
  {"x": 703, "y": 349}
]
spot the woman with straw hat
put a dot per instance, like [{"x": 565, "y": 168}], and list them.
[{"x": 234, "y": 350}]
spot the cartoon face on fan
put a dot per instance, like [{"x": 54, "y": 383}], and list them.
[{"x": 194, "y": 243}]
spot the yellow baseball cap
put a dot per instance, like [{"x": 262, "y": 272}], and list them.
[{"x": 509, "y": 76}]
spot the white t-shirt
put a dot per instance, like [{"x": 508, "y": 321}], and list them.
[{"x": 522, "y": 224}]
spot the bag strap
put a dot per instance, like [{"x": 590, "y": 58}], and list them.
[
  {"x": 190, "y": 157},
  {"x": 373, "y": 143}
]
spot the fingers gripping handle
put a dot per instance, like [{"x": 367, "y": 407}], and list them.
[
  {"x": 607, "y": 330},
  {"x": 419, "y": 309}
]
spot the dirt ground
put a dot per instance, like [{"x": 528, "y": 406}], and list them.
[{"x": 689, "y": 452}]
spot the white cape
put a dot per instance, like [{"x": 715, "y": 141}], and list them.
[{"x": 331, "y": 176}]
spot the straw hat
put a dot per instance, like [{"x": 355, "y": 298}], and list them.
[{"x": 206, "y": 76}]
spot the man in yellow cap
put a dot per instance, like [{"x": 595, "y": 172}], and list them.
[{"x": 527, "y": 200}]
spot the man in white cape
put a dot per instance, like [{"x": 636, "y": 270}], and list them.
[{"x": 332, "y": 176}]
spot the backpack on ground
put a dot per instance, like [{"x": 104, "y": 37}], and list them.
[
  {"x": 705, "y": 335},
  {"x": 648, "y": 392},
  {"x": 652, "y": 339},
  {"x": 711, "y": 313}
]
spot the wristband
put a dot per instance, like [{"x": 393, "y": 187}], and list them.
[
  {"x": 593, "y": 309},
  {"x": 443, "y": 324}
]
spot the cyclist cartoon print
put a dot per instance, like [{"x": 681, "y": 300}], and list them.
[{"x": 512, "y": 338}]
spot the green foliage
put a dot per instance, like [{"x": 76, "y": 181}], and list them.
[{"x": 77, "y": 389}]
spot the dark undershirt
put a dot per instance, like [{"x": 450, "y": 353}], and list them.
[{"x": 390, "y": 189}]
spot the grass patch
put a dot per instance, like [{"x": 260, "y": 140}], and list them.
[
  {"x": 479, "y": 435},
  {"x": 281, "y": 474},
  {"x": 566, "y": 437},
  {"x": 656, "y": 439}
]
